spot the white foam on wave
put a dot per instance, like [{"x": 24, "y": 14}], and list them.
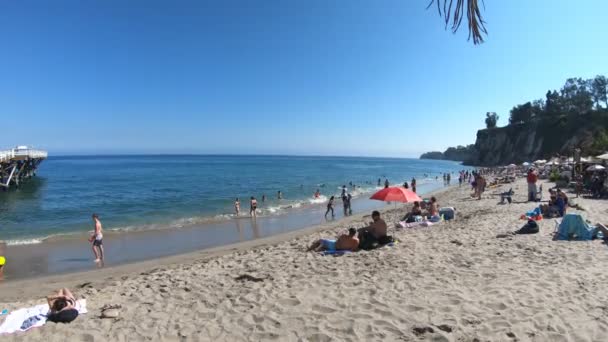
[
  {"x": 23, "y": 242},
  {"x": 320, "y": 200}
]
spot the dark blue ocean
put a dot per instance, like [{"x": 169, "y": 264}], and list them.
[{"x": 165, "y": 192}]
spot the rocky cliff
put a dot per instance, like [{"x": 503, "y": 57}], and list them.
[{"x": 539, "y": 140}]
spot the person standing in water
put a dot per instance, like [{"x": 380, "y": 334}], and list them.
[
  {"x": 386, "y": 183},
  {"x": 237, "y": 206},
  {"x": 317, "y": 193},
  {"x": 330, "y": 207},
  {"x": 379, "y": 182},
  {"x": 279, "y": 195},
  {"x": 413, "y": 184},
  {"x": 253, "y": 203},
  {"x": 97, "y": 239},
  {"x": 263, "y": 198}
]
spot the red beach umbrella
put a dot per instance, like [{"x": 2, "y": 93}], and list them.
[{"x": 396, "y": 194}]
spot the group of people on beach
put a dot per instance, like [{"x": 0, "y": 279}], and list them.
[
  {"x": 253, "y": 204},
  {"x": 363, "y": 238}
]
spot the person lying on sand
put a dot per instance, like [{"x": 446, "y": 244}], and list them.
[
  {"x": 345, "y": 242},
  {"x": 62, "y": 307}
]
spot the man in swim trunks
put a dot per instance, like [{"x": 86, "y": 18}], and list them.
[
  {"x": 376, "y": 231},
  {"x": 97, "y": 239},
  {"x": 253, "y": 207},
  {"x": 345, "y": 242}
]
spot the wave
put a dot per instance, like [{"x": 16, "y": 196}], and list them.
[{"x": 20, "y": 242}]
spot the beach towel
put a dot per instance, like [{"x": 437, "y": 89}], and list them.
[
  {"x": 36, "y": 316},
  {"x": 573, "y": 227}
]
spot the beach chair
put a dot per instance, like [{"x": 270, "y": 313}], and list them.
[{"x": 539, "y": 194}]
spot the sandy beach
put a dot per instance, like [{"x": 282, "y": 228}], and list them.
[{"x": 454, "y": 281}]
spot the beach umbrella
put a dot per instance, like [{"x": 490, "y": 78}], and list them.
[
  {"x": 596, "y": 167},
  {"x": 525, "y": 164},
  {"x": 396, "y": 194},
  {"x": 540, "y": 161},
  {"x": 603, "y": 156},
  {"x": 512, "y": 165}
]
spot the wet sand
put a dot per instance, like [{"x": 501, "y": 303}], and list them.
[
  {"x": 450, "y": 282},
  {"x": 73, "y": 254}
]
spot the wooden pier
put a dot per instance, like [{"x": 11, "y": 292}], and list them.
[{"x": 19, "y": 164}]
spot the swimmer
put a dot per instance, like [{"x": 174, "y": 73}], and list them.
[{"x": 237, "y": 207}]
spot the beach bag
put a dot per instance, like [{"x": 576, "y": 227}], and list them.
[
  {"x": 367, "y": 241},
  {"x": 448, "y": 213},
  {"x": 529, "y": 228}
]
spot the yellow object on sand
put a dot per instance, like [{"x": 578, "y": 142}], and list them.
[{"x": 2, "y": 261}]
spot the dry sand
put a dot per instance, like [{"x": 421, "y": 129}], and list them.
[{"x": 450, "y": 282}]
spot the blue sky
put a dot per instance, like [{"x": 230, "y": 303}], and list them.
[{"x": 343, "y": 77}]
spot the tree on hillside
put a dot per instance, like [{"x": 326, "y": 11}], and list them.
[
  {"x": 576, "y": 96},
  {"x": 491, "y": 119},
  {"x": 553, "y": 103},
  {"x": 473, "y": 14},
  {"x": 599, "y": 91},
  {"x": 521, "y": 114}
]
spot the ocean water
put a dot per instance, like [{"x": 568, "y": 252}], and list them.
[{"x": 167, "y": 192}]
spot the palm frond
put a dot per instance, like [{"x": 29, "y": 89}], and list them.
[{"x": 477, "y": 28}]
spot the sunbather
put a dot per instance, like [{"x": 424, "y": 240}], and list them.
[
  {"x": 416, "y": 211},
  {"x": 62, "y": 307},
  {"x": 345, "y": 242}
]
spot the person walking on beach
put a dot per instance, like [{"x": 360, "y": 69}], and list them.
[
  {"x": 253, "y": 206},
  {"x": 97, "y": 239},
  {"x": 346, "y": 203},
  {"x": 532, "y": 178},
  {"x": 413, "y": 184},
  {"x": 330, "y": 207},
  {"x": 237, "y": 206}
]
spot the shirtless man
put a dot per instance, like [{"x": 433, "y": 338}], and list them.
[
  {"x": 345, "y": 242},
  {"x": 377, "y": 228},
  {"x": 253, "y": 207},
  {"x": 97, "y": 239}
]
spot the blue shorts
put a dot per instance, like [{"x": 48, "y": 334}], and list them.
[{"x": 329, "y": 245}]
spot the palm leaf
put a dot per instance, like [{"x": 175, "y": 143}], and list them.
[{"x": 477, "y": 28}]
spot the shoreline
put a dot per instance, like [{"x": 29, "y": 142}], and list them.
[{"x": 187, "y": 255}]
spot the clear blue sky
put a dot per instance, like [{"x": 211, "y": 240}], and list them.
[{"x": 343, "y": 77}]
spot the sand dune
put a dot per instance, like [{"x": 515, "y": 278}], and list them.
[{"x": 451, "y": 282}]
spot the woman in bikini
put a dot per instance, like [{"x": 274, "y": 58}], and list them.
[{"x": 237, "y": 206}]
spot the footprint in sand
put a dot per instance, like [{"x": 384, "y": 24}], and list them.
[
  {"x": 290, "y": 302},
  {"x": 323, "y": 309}
]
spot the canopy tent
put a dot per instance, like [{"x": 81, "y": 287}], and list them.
[
  {"x": 573, "y": 227},
  {"x": 596, "y": 167},
  {"x": 603, "y": 156}
]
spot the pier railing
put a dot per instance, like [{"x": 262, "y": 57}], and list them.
[{"x": 7, "y": 155}]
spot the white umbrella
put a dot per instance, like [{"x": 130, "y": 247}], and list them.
[
  {"x": 595, "y": 167},
  {"x": 512, "y": 165},
  {"x": 525, "y": 164},
  {"x": 603, "y": 156},
  {"x": 540, "y": 161}
]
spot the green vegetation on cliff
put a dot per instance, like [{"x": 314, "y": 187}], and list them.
[{"x": 575, "y": 117}]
